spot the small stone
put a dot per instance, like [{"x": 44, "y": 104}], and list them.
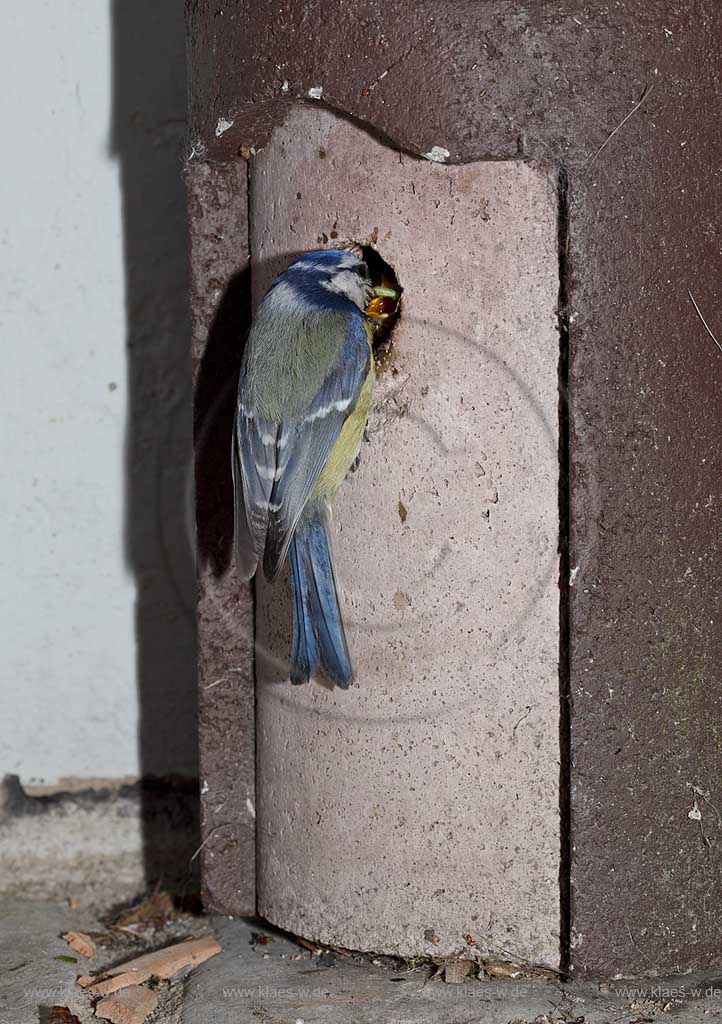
[{"x": 437, "y": 155}]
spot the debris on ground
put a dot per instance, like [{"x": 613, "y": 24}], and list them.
[
  {"x": 120, "y": 991},
  {"x": 61, "y": 1015},
  {"x": 153, "y": 912},
  {"x": 312, "y": 947},
  {"x": 454, "y": 972},
  {"x": 502, "y": 970},
  {"x": 80, "y": 942},
  {"x": 131, "y": 1006},
  {"x": 161, "y": 963},
  {"x": 284, "y": 990}
]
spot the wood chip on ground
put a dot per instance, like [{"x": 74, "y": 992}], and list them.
[
  {"x": 131, "y": 1006},
  {"x": 80, "y": 942},
  {"x": 162, "y": 963}
]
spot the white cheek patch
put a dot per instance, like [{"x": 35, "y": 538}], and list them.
[
  {"x": 349, "y": 284},
  {"x": 348, "y": 260}
]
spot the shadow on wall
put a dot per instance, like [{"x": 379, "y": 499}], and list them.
[
  {"x": 148, "y": 127},
  {"x": 215, "y": 405}
]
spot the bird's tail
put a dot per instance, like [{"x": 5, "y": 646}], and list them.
[{"x": 318, "y": 630}]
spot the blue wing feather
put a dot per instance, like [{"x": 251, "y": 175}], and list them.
[
  {"x": 275, "y": 465},
  {"x": 305, "y": 445},
  {"x": 254, "y": 468}
]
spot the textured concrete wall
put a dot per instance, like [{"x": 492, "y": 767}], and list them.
[
  {"x": 68, "y": 629},
  {"x": 423, "y": 804}
]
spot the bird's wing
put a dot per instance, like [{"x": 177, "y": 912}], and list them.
[
  {"x": 253, "y": 466},
  {"x": 305, "y": 445}
]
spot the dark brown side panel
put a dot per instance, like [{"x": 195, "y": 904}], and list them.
[
  {"x": 220, "y": 302},
  {"x": 560, "y": 82}
]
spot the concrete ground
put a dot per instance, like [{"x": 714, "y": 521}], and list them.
[{"x": 280, "y": 982}]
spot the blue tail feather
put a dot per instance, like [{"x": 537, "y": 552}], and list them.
[
  {"x": 318, "y": 630},
  {"x": 304, "y": 647}
]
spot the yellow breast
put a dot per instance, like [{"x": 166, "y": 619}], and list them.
[{"x": 346, "y": 448}]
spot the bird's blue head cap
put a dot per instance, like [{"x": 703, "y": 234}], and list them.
[{"x": 329, "y": 279}]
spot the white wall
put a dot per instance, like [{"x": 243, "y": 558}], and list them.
[{"x": 75, "y": 537}]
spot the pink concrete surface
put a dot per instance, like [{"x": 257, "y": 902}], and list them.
[{"x": 422, "y": 805}]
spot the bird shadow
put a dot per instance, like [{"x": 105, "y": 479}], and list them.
[{"x": 173, "y": 431}]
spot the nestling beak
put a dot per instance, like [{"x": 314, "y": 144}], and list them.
[{"x": 384, "y": 303}]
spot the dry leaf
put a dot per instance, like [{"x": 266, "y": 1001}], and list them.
[
  {"x": 131, "y": 1006},
  {"x": 61, "y": 1015},
  {"x": 502, "y": 970},
  {"x": 162, "y": 963},
  {"x": 456, "y": 970},
  {"x": 81, "y": 943},
  {"x": 85, "y": 980},
  {"x": 155, "y": 911}
]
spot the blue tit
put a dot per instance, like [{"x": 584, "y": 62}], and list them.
[{"x": 303, "y": 401}]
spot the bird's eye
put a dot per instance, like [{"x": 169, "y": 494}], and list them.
[{"x": 362, "y": 270}]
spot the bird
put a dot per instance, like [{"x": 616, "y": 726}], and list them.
[{"x": 304, "y": 395}]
